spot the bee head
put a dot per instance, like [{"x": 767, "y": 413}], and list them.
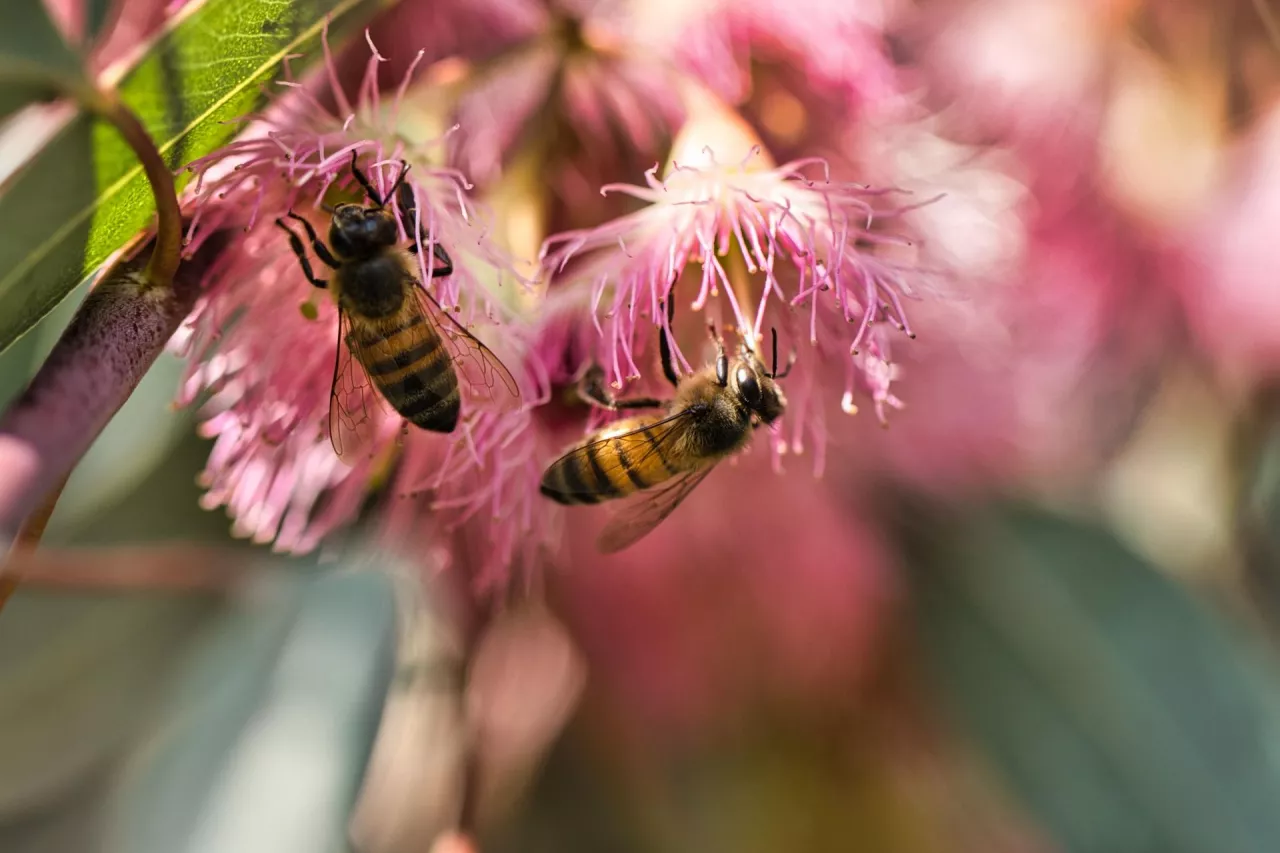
[
  {"x": 756, "y": 388},
  {"x": 358, "y": 231},
  {"x": 753, "y": 383}
]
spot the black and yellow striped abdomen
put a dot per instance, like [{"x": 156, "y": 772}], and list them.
[
  {"x": 620, "y": 460},
  {"x": 410, "y": 366}
]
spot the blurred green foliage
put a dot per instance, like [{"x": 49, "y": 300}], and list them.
[
  {"x": 279, "y": 706},
  {"x": 1128, "y": 714},
  {"x": 35, "y": 63}
]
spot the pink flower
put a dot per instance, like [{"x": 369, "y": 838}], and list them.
[
  {"x": 727, "y": 607},
  {"x": 838, "y": 48},
  {"x": 1038, "y": 369},
  {"x": 582, "y": 83},
  {"x": 471, "y": 506},
  {"x": 510, "y": 528},
  {"x": 758, "y": 245},
  {"x": 1030, "y": 73},
  {"x": 1228, "y": 288},
  {"x": 417, "y": 34},
  {"x": 1056, "y": 387},
  {"x": 1035, "y": 366},
  {"x": 126, "y": 27},
  {"x": 598, "y": 83},
  {"x": 262, "y": 344}
]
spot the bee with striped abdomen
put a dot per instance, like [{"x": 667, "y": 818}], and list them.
[
  {"x": 660, "y": 458},
  {"x": 408, "y": 347}
]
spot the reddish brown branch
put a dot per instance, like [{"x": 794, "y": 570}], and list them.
[
  {"x": 119, "y": 330},
  {"x": 149, "y": 568}
]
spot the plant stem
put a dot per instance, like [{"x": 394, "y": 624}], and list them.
[
  {"x": 112, "y": 341},
  {"x": 135, "y": 569},
  {"x": 28, "y": 540},
  {"x": 167, "y": 251},
  {"x": 119, "y": 330}
]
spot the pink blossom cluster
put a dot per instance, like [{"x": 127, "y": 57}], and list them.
[
  {"x": 927, "y": 204},
  {"x": 525, "y": 154},
  {"x": 261, "y": 341},
  {"x": 938, "y": 207}
]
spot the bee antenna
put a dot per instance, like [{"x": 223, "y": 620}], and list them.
[
  {"x": 714, "y": 333},
  {"x": 722, "y": 360},
  {"x": 791, "y": 359}
]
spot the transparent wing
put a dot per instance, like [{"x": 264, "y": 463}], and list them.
[
  {"x": 638, "y": 441},
  {"x": 355, "y": 406},
  {"x": 646, "y": 510},
  {"x": 482, "y": 378}
]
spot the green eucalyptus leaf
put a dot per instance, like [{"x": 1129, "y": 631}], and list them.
[
  {"x": 83, "y": 196},
  {"x": 78, "y": 674},
  {"x": 19, "y": 363},
  {"x": 1126, "y": 714},
  {"x": 35, "y": 63},
  {"x": 265, "y": 743}
]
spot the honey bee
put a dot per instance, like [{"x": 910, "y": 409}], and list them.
[
  {"x": 408, "y": 347},
  {"x": 661, "y": 458}
]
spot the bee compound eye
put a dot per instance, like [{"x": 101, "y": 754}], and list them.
[
  {"x": 338, "y": 240},
  {"x": 748, "y": 387}
]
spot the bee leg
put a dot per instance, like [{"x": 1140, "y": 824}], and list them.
[
  {"x": 317, "y": 246},
  {"x": 399, "y": 181},
  {"x": 722, "y": 359},
  {"x": 296, "y": 244},
  {"x": 407, "y": 205},
  {"x": 445, "y": 266},
  {"x": 591, "y": 390},
  {"x": 664, "y": 345},
  {"x": 364, "y": 182},
  {"x": 638, "y": 403},
  {"x": 404, "y": 196},
  {"x": 446, "y": 262}
]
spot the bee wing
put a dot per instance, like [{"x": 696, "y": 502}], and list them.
[
  {"x": 487, "y": 382},
  {"x": 355, "y": 407},
  {"x": 647, "y": 510},
  {"x": 638, "y": 446},
  {"x": 642, "y": 448}
]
